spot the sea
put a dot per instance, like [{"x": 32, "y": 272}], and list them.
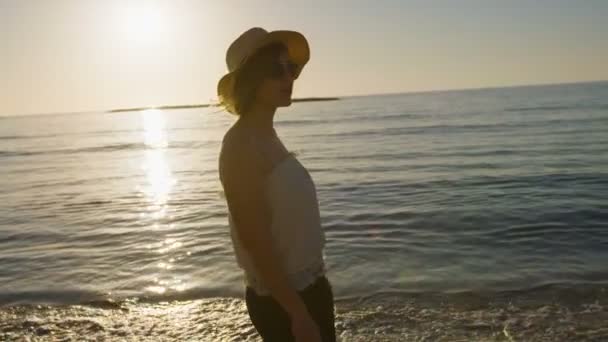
[{"x": 461, "y": 215}]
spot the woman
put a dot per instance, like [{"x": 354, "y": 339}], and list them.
[{"x": 272, "y": 203}]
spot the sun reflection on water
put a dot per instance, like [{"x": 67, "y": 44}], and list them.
[
  {"x": 155, "y": 134},
  {"x": 159, "y": 178},
  {"x": 157, "y": 191}
]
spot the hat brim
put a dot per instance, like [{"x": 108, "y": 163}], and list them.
[{"x": 297, "y": 50}]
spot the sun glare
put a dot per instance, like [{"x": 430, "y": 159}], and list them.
[{"x": 142, "y": 21}]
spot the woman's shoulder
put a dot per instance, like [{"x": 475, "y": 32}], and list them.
[
  {"x": 236, "y": 142},
  {"x": 239, "y": 153}
]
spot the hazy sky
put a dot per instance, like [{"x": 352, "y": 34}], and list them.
[{"x": 80, "y": 55}]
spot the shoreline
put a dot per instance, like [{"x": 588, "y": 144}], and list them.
[{"x": 543, "y": 314}]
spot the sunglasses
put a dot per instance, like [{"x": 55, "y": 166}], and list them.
[{"x": 278, "y": 70}]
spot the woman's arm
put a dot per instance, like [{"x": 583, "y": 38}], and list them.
[{"x": 242, "y": 173}]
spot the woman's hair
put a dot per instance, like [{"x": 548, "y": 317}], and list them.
[{"x": 251, "y": 75}]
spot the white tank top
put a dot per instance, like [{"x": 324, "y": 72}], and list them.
[{"x": 296, "y": 227}]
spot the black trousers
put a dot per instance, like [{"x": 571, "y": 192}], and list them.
[{"x": 273, "y": 323}]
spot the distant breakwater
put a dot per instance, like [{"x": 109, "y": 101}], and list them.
[{"x": 205, "y": 105}]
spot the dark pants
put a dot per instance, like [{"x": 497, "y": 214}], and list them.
[{"x": 273, "y": 323}]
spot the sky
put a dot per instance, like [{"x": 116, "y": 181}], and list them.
[{"x": 87, "y": 55}]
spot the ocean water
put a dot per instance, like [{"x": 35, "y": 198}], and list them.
[{"x": 430, "y": 202}]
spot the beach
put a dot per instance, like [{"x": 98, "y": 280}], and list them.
[{"x": 465, "y": 215}]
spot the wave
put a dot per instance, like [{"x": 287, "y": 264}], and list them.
[
  {"x": 71, "y": 134},
  {"x": 374, "y": 117},
  {"x": 427, "y": 129},
  {"x": 556, "y": 108},
  {"x": 98, "y": 299},
  {"x": 104, "y": 148},
  {"x": 524, "y": 181},
  {"x": 594, "y": 283},
  {"x": 67, "y": 296},
  {"x": 545, "y": 179},
  {"x": 14, "y": 137},
  {"x": 582, "y": 227}
]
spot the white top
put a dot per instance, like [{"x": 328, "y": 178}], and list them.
[{"x": 296, "y": 227}]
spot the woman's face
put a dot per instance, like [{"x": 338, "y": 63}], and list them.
[{"x": 277, "y": 84}]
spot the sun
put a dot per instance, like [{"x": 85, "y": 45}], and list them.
[{"x": 141, "y": 22}]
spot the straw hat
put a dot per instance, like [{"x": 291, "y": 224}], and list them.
[{"x": 246, "y": 46}]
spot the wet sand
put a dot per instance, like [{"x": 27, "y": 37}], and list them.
[{"x": 545, "y": 314}]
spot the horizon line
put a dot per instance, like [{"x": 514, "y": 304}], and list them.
[
  {"x": 322, "y": 98},
  {"x": 445, "y": 90}
]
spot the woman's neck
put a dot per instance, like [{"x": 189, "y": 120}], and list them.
[{"x": 260, "y": 119}]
